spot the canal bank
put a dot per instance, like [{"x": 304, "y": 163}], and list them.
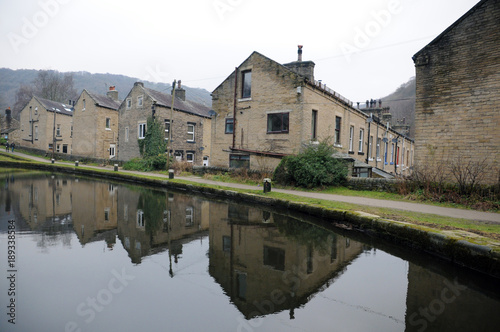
[{"x": 460, "y": 247}]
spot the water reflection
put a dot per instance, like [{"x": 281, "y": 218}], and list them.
[{"x": 266, "y": 263}]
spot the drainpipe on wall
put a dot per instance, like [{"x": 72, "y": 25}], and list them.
[{"x": 234, "y": 104}]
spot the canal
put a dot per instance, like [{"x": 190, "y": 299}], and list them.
[{"x": 80, "y": 254}]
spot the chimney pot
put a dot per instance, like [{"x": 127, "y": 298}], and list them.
[
  {"x": 112, "y": 88},
  {"x": 299, "y": 53}
]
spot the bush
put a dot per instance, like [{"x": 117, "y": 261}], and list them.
[
  {"x": 313, "y": 167},
  {"x": 146, "y": 164}
]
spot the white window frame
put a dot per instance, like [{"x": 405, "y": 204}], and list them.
[
  {"x": 128, "y": 103},
  {"x": 192, "y": 157},
  {"x": 351, "y": 138},
  {"x": 190, "y": 133},
  {"x": 112, "y": 150},
  {"x": 167, "y": 129},
  {"x": 141, "y": 223},
  {"x": 140, "y": 101},
  {"x": 361, "y": 138},
  {"x": 108, "y": 123},
  {"x": 58, "y": 130},
  {"x": 141, "y": 133},
  {"x": 189, "y": 216}
]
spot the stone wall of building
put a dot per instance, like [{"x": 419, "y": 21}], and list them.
[
  {"x": 458, "y": 83},
  {"x": 131, "y": 118}
]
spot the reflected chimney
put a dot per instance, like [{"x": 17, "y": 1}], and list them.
[{"x": 299, "y": 53}]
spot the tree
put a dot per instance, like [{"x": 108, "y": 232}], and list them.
[
  {"x": 313, "y": 167},
  {"x": 48, "y": 84}
]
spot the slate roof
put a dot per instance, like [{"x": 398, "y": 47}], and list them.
[
  {"x": 165, "y": 99},
  {"x": 50, "y": 105},
  {"x": 105, "y": 101}
]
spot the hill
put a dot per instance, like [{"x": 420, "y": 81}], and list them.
[
  {"x": 10, "y": 80},
  {"x": 402, "y": 104}
]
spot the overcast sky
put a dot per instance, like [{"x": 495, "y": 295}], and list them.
[{"x": 362, "y": 48}]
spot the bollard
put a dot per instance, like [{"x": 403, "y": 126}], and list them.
[
  {"x": 52, "y": 160},
  {"x": 116, "y": 168},
  {"x": 76, "y": 163},
  {"x": 170, "y": 173},
  {"x": 267, "y": 185}
]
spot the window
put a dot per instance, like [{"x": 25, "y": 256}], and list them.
[
  {"x": 190, "y": 132},
  {"x": 277, "y": 123},
  {"x": 229, "y": 126},
  {"x": 65, "y": 148},
  {"x": 241, "y": 285},
  {"x": 239, "y": 161},
  {"x": 50, "y": 146},
  {"x": 108, "y": 124},
  {"x": 167, "y": 129},
  {"x": 189, "y": 216},
  {"x": 189, "y": 156},
  {"x": 351, "y": 138},
  {"x": 370, "y": 144},
  {"x": 392, "y": 154},
  {"x": 385, "y": 153},
  {"x": 226, "y": 243},
  {"x": 126, "y": 134},
  {"x": 314, "y": 125},
  {"x": 379, "y": 140},
  {"x": 338, "y": 123},
  {"x": 112, "y": 150},
  {"x": 139, "y": 101},
  {"x": 36, "y": 133},
  {"x": 58, "y": 130},
  {"x": 361, "y": 134},
  {"x": 58, "y": 148},
  {"x": 142, "y": 130},
  {"x": 129, "y": 103},
  {"x": 140, "y": 219},
  {"x": 246, "y": 84},
  {"x": 83, "y": 106},
  {"x": 36, "y": 110},
  {"x": 106, "y": 214},
  {"x": 274, "y": 257}
]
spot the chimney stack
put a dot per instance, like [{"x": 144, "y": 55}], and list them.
[
  {"x": 303, "y": 68},
  {"x": 180, "y": 92},
  {"x": 112, "y": 93}
]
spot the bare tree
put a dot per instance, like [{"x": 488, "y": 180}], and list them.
[
  {"x": 469, "y": 174},
  {"x": 48, "y": 84}
]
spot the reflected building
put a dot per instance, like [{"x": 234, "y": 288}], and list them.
[
  {"x": 153, "y": 221},
  {"x": 435, "y": 302},
  {"x": 268, "y": 263},
  {"x": 96, "y": 211}
]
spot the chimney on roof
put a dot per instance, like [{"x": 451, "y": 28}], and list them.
[
  {"x": 139, "y": 83},
  {"x": 180, "y": 92},
  {"x": 112, "y": 93},
  {"x": 303, "y": 68}
]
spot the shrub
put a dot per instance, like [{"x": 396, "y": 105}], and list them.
[{"x": 313, "y": 167}]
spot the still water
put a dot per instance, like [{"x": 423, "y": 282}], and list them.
[{"x": 89, "y": 255}]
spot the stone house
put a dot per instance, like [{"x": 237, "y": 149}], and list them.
[
  {"x": 95, "y": 125},
  {"x": 266, "y": 110},
  {"x": 44, "y": 122},
  {"x": 189, "y": 121},
  {"x": 457, "y": 119},
  {"x": 9, "y": 127}
]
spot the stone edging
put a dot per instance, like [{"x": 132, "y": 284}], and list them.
[{"x": 453, "y": 248}]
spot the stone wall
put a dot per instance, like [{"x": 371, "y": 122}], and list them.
[{"x": 458, "y": 82}]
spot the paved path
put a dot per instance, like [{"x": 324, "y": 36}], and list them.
[{"x": 487, "y": 217}]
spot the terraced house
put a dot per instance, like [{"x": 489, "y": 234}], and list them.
[
  {"x": 95, "y": 125},
  {"x": 45, "y": 125},
  {"x": 266, "y": 110},
  {"x": 189, "y": 123}
]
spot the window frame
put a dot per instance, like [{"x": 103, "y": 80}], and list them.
[
  {"x": 128, "y": 103},
  {"x": 190, "y": 153},
  {"x": 139, "y": 131},
  {"x": 140, "y": 101},
  {"x": 108, "y": 123},
  {"x": 351, "y": 139},
  {"x": 191, "y": 133},
  {"x": 229, "y": 121},
  {"x": 282, "y": 131},
  {"x": 246, "y": 88},
  {"x": 338, "y": 128},
  {"x": 361, "y": 140},
  {"x": 314, "y": 125}
]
